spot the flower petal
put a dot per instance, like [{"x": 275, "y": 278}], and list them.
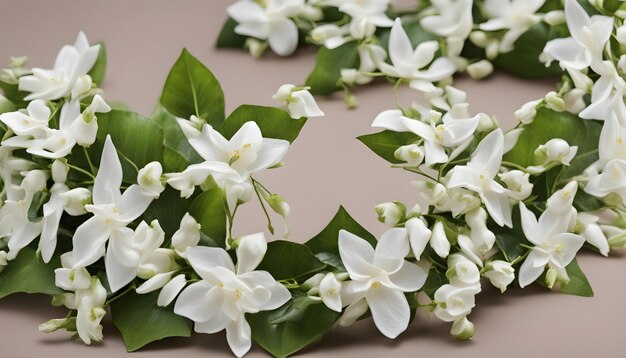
[
  {"x": 356, "y": 254},
  {"x": 199, "y": 302},
  {"x": 106, "y": 189},
  {"x": 390, "y": 310},
  {"x": 171, "y": 290},
  {"x": 250, "y": 252},
  {"x": 283, "y": 37},
  {"x": 203, "y": 259},
  {"x": 239, "y": 336},
  {"x": 88, "y": 242}
]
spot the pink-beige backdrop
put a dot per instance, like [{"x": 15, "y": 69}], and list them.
[{"x": 325, "y": 168}]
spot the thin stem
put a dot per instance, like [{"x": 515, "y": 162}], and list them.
[
  {"x": 81, "y": 170},
  {"x": 113, "y": 299},
  {"x": 395, "y": 92},
  {"x": 418, "y": 171},
  {"x": 128, "y": 161},
  {"x": 91, "y": 166},
  {"x": 513, "y": 165},
  {"x": 267, "y": 215}
]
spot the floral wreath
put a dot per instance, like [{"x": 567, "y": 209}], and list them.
[{"x": 107, "y": 211}]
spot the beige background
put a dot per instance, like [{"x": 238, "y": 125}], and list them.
[{"x": 325, "y": 167}]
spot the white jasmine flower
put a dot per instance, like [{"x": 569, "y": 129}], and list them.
[
  {"x": 230, "y": 162},
  {"x": 412, "y": 154},
  {"x": 300, "y": 101},
  {"x": 188, "y": 235},
  {"x": 451, "y": 133},
  {"x": 517, "y": 183},
  {"x": 593, "y": 233},
  {"x": 554, "y": 246},
  {"x": 500, "y": 273},
  {"x": 481, "y": 236},
  {"x": 366, "y": 16},
  {"x": 589, "y": 36},
  {"x": 454, "y": 302},
  {"x": 409, "y": 63},
  {"x": 380, "y": 277},
  {"x": 90, "y": 306},
  {"x": 514, "y": 16},
  {"x": 72, "y": 63},
  {"x": 478, "y": 176},
  {"x": 554, "y": 152},
  {"x": 75, "y": 201},
  {"x": 149, "y": 178},
  {"x": 270, "y": 21},
  {"x": 453, "y": 20},
  {"x": 330, "y": 292},
  {"x": 391, "y": 213},
  {"x": 527, "y": 113},
  {"x": 112, "y": 211},
  {"x": 14, "y": 219},
  {"x": 227, "y": 292},
  {"x": 462, "y": 329}
]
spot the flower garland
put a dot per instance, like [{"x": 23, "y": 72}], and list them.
[{"x": 105, "y": 210}]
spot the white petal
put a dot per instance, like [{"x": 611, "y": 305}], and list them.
[
  {"x": 250, "y": 252},
  {"x": 409, "y": 278},
  {"x": 271, "y": 153},
  {"x": 171, "y": 290},
  {"x": 390, "y": 310},
  {"x": 391, "y": 120},
  {"x": 118, "y": 275},
  {"x": 439, "y": 242},
  {"x": 88, "y": 242},
  {"x": 400, "y": 47},
  {"x": 530, "y": 271},
  {"x": 134, "y": 202},
  {"x": 419, "y": 235},
  {"x": 106, "y": 189},
  {"x": 356, "y": 254},
  {"x": 283, "y": 37},
  {"x": 52, "y": 210},
  {"x": 391, "y": 249},
  {"x": 199, "y": 302},
  {"x": 156, "y": 282},
  {"x": 203, "y": 259},
  {"x": 239, "y": 336}
]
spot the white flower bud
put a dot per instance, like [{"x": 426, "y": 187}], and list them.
[
  {"x": 561, "y": 201},
  {"x": 149, "y": 178},
  {"x": 154, "y": 283},
  {"x": 82, "y": 86},
  {"x": 188, "y": 235},
  {"x": 486, "y": 123},
  {"x": 479, "y": 38},
  {"x": 518, "y": 184},
  {"x": 555, "y": 17},
  {"x": 482, "y": 237},
  {"x": 353, "y": 312},
  {"x": 462, "y": 272},
  {"x": 59, "y": 171},
  {"x": 455, "y": 302},
  {"x": 479, "y": 70},
  {"x": 71, "y": 279},
  {"x": 279, "y": 205},
  {"x": 18, "y": 61},
  {"x": 419, "y": 235},
  {"x": 575, "y": 101},
  {"x": 391, "y": 213},
  {"x": 349, "y": 75},
  {"x": 171, "y": 290},
  {"x": 311, "y": 286},
  {"x": 3, "y": 260},
  {"x": 500, "y": 274},
  {"x": 621, "y": 35},
  {"x": 322, "y": 33},
  {"x": 53, "y": 325},
  {"x": 76, "y": 199},
  {"x": 439, "y": 241},
  {"x": 284, "y": 93},
  {"x": 558, "y": 150},
  {"x": 527, "y": 113},
  {"x": 554, "y": 102},
  {"x": 255, "y": 47},
  {"x": 330, "y": 292},
  {"x": 492, "y": 49},
  {"x": 250, "y": 251},
  {"x": 34, "y": 181},
  {"x": 160, "y": 261},
  {"x": 462, "y": 329},
  {"x": 412, "y": 154}
]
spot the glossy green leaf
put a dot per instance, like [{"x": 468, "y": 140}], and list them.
[
  {"x": 169, "y": 209},
  {"x": 433, "y": 282},
  {"x": 578, "y": 285},
  {"x": 142, "y": 322},
  {"x": 14, "y": 95},
  {"x": 385, "y": 143},
  {"x": 6, "y": 106},
  {"x": 325, "y": 245},
  {"x": 228, "y": 38},
  {"x": 287, "y": 260},
  {"x": 209, "y": 211},
  {"x": 29, "y": 274},
  {"x": 191, "y": 89},
  {"x": 290, "y": 328},
  {"x": 98, "y": 70},
  {"x": 323, "y": 80},
  {"x": 177, "y": 152},
  {"x": 509, "y": 240},
  {"x": 273, "y": 122}
]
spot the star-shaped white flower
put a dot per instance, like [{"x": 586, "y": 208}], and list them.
[
  {"x": 381, "y": 277},
  {"x": 72, "y": 63},
  {"x": 112, "y": 211},
  {"x": 227, "y": 292},
  {"x": 409, "y": 63},
  {"x": 270, "y": 22},
  {"x": 479, "y": 176},
  {"x": 514, "y": 16}
]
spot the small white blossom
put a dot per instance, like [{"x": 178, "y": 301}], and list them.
[{"x": 300, "y": 102}]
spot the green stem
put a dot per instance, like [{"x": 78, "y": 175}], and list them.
[
  {"x": 128, "y": 161},
  {"x": 267, "y": 215},
  {"x": 81, "y": 170},
  {"x": 513, "y": 165},
  {"x": 91, "y": 166},
  {"x": 113, "y": 299}
]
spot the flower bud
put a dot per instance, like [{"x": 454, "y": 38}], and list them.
[
  {"x": 149, "y": 178},
  {"x": 439, "y": 241},
  {"x": 482, "y": 237},
  {"x": 76, "y": 199},
  {"x": 171, "y": 290},
  {"x": 551, "y": 277},
  {"x": 353, "y": 312},
  {"x": 554, "y": 102},
  {"x": 621, "y": 34},
  {"x": 330, "y": 292},
  {"x": 555, "y": 17},
  {"x": 349, "y": 75},
  {"x": 250, "y": 251},
  {"x": 556, "y": 150},
  {"x": 82, "y": 86},
  {"x": 492, "y": 50},
  {"x": 486, "y": 123},
  {"x": 255, "y": 47},
  {"x": 575, "y": 101},
  {"x": 322, "y": 33},
  {"x": 561, "y": 201},
  {"x": 518, "y": 184},
  {"x": 462, "y": 272},
  {"x": 419, "y": 235},
  {"x": 188, "y": 235},
  {"x": 350, "y": 100},
  {"x": 479, "y": 70},
  {"x": 34, "y": 181},
  {"x": 160, "y": 261},
  {"x": 279, "y": 205},
  {"x": 284, "y": 93},
  {"x": 462, "y": 329},
  {"x": 527, "y": 113},
  {"x": 479, "y": 38},
  {"x": 3, "y": 260},
  {"x": 311, "y": 286},
  {"x": 59, "y": 171},
  {"x": 18, "y": 62},
  {"x": 412, "y": 154},
  {"x": 391, "y": 213},
  {"x": 500, "y": 273},
  {"x": 53, "y": 325}
]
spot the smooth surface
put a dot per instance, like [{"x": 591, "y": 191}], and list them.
[{"x": 325, "y": 167}]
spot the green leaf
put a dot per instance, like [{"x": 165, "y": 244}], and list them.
[
  {"x": 385, "y": 143},
  {"x": 169, "y": 209},
  {"x": 98, "y": 70},
  {"x": 287, "y": 260},
  {"x": 191, "y": 89},
  {"x": 433, "y": 282},
  {"x": 510, "y": 240},
  {"x": 178, "y": 154},
  {"x": 523, "y": 61},
  {"x": 6, "y": 105},
  {"x": 323, "y": 80},
  {"x": 209, "y": 211},
  {"x": 228, "y": 38},
  {"x": 11, "y": 92},
  {"x": 549, "y": 124},
  {"x": 586, "y": 202},
  {"x": 578, "y": 285},
  {"x": 135, "y": 137},
  {"x": 29, "y": 274},
  {"x": 273, "y": 122},
  {"x": 325, "y": 245},
  {"x": 142, "y": 322},
  {"x": 290, "y": 328}
]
